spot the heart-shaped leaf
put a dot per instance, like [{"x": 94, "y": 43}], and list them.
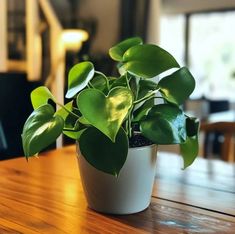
[
  {"x": 117, "y": 51},
  {"x": 164, "y": 124},
  {"x": 148, "y": 61},
  {"x": 40, "y": 96},
  {"x": 181, "y": 80},
  {"x": 105, "y": 112},
  {"x": 79, "y": 77},
  {"x": 102, "y": 153},
  {"x": 41, "y": 129}
]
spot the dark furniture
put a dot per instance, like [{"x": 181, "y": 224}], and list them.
[
  {"x": 215, "y": 139},
  {"x": 227, "y": 132},
  {"x": 15, "y": 107}
]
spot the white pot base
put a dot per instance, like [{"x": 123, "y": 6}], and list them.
[{"x": 127, "y": 194}]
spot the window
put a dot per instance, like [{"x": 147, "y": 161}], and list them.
[
  {"x": 211, "y": 50},
  {"x": 212, "y": 54},
  {"x": 172, "y": 36}
]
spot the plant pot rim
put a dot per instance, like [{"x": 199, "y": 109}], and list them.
[{"x": 142, "y": 147}]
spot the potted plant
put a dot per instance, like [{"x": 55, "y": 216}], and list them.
[{"x": 116, "y": 120}]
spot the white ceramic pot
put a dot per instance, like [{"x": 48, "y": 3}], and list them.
[{"x": 130, "y": 192}]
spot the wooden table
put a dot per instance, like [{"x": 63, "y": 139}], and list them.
[{"x": 45, "y": 196}]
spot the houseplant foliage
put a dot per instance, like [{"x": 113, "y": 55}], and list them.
[{"x": 105, "y": 112}]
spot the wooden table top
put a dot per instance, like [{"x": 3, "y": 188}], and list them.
[{"x": 45, "y": 196}]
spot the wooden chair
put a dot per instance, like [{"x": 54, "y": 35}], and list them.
[{"x": 227, "y": 129}]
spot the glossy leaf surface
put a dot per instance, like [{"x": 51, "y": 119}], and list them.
[
  {"x": 106, "y": 113},
  {"x": 41, "y": 129},
  {"x": 102, "y": 153},
  {"x": 117, "y": 51},
  {"x": 148, "y": 61},
  {"x": 79, "y": 77},
  {"x": 99, "y": 81},
  {"x": 177, "y": 87},
  {"x": 40, "y": 96},
  {"x": 164, "y": 124},
  {"x": 189, "y": 149}
]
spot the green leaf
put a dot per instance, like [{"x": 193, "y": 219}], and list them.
[
  {"x": 106, "y": 113},
  {"x": 41, "y": 129},
  {"x": 73, "y": 128},
  {"x": 74, "y": 134},
  {"x": 119, "y": 82},
  {"x": 100, "y": 81},
  {"x": 79, "y": 77},
  {"x": 71, "y": 122},
  {"x": 40, "y": 96},
  {"x": 142, "y": 111},
  {"x": 64, "y": 113},
  {"x": 181, "y": 80},
  {"x": 192, "y": 126},
  {"x": 102, "y": 153},
  {"x": 84, "y": 121},
  {"x": 111, "y": 80},
  {"x": 189, "y": 150},
  {"x": 117, "y": 51},
  {"x": 164, "y": 124},
  {"x": 133, "y": 85},
  {"x": 148, "y": 61},
  {"x": 121, "y": 69},
  {"x": 145, "y": 86}
]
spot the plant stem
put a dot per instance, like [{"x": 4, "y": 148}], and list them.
[
  {"x": 148, "y": 96},
  {"x": 127, "y": 81},
  {"x": 90, "y": 85},
  {"x": 69, "y": 129},
  {"x": 75, "y": 108},
  {"x": 129, "y": 124},
  {"x": 70, "y": 112}
]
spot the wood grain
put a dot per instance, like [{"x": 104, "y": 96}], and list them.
[
  {"x": 209, "y": 184},
  {"x": 45, "y": 196}
]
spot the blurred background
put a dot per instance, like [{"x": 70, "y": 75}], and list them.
[{"x": 41, "y": 39}]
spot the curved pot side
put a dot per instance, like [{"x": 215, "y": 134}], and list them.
[{"x": 127, "y": 194}]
